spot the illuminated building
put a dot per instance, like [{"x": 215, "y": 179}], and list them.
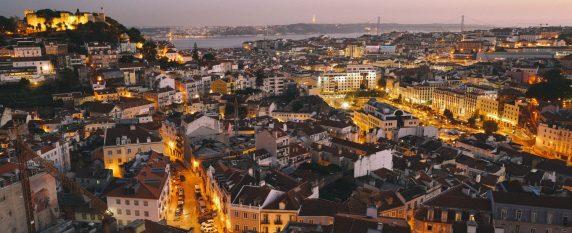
[
  {"x": 223, "y": 86},
  {"x": 354, "y": 50},
  {"x": 423, "y": 93},
  {"x": 506, "y": 113},
  {"x": 356, "y": 77},
  {"x": 106, "y": 95},
  {"x": 462, "y": 102},
  {"x": 384, "y": 116},
  {"x": 121, "y": 144},
  {"x": 555, "y": 138},
  {"x": 28, "y": 50},
  {"x": 291, "y": 116},
  {"x": 146, "y": 195},
  {"x": 63, "y": 20}
]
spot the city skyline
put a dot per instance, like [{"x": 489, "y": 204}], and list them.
[{"x": 258, "y": 12}]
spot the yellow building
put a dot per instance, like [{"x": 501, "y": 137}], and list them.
[
  {"x": 354, "y": 50},
  {"x": 556, "y": 140},
  {"x": 121, "y": 144},
  {"x": 223, "y": 86},
  {"x": 106, "y": 95},
  {"x": 61, "y": 21},
  {"x": 506, "y": 114}
]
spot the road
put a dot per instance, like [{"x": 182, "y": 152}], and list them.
[{"x": 191, "y": 210}]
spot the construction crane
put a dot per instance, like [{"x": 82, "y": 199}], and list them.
[{"x": 25, "y": 154}]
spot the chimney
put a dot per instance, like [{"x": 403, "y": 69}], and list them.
[
  {"x": 471, "y": 227},
  {"x": 371, "y": 212}
]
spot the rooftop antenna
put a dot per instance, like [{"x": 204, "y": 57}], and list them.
[{"x": 462, "y": 23}]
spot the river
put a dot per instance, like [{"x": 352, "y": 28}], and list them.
[{"x": 236, "y": 41}]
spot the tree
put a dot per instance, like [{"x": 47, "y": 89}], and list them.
[
  {"x": 490, "y": 126},
  {"x": 449, "y": 115},
  {"x": 209, "y": 57},
  {"x": 135, "y": 35},
  {"x": 195, "y": 52},
  {"x": 149, "y": 51},
  {"x": 260, "y": 76},
  {"x": 128, "y": 58}
]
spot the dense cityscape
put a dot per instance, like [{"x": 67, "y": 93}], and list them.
[{"x": 108, "y": 128}]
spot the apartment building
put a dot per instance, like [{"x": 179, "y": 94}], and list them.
[
  {"x": 128, "y": 108},
  {"x": 555, "y": 139},
  {"x": 354, "y": 78},
  {"x": 146, "y": 196},
  {"x": 462, "y": 102},
  {"x": 28, "y": 50},
  {"x": 274, "y": 85},
  {"x": 276, "y": 141},
  {"x": 383, "y": 116},
  {"x": 122, "y": 143},
  {"x": 457, "y": 208},
  {"x": 422, "y": 93},
  {"x": 528, "y": 212}
]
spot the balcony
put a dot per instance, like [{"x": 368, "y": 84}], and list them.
[{"x": 264, "y": 221}]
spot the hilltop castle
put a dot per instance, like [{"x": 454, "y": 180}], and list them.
[{"x": 39, "y": 21}]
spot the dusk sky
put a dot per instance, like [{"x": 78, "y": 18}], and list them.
[{"x": 271, "y": 12}]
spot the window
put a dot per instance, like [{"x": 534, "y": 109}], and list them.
[
  {"x": 83, "y": 215},
  {"x": 517, "y": 229},
  {"x": 311, "y": 221},
  {"x": 146, "y": 213},
  {"x": 254, "y": 216},
  {"x": 118, "y": 201},
  {"x": 136, "y": 212},
  {"x": 458, "y": 216},
  {"x": 237, "y": 227},
  {"x": 119, "y": 211},
  {"x": 518, "y": 215},
  {"x": 109, "y": 152},
  {"x": 119, "y": 151},
  {"x": 549, "y": 218},
  {"x": 135, "y": 202},
  {"x": 145, "y": 203},
  {"x": 120, "y": 222},
  {"x": 245, "y": 215},
  {"x": 128, "y": 151},
  {"x": 127, "y": 202},
  {"x": 533, "y": 230},
  {"x": 533, "y": 217},
  {"x": 245, "y": 228},
  {"x": 429, "y": 227},
  {"x": 277, "y": 229},
  {"x": 128, "y": 212},
  {"x": 254, "y": 229},
  {"x": 565, "y": 220}
]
